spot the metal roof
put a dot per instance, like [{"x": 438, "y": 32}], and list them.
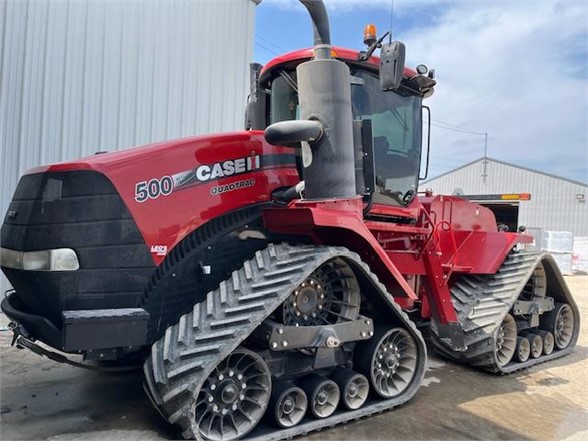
[{"x": 508, "y": 164}]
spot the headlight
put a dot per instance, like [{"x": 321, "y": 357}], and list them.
[{"x": 62, "y": 259}]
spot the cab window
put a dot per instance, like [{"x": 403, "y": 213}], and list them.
[{"x": 396, "y": 133}]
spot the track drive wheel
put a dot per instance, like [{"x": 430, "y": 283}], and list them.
[
  {"x": 560, "y": 322},
  {"x": 234, "y": 397},
  {"x": 288, "y": 405},
  {"x": 389, "y": 360},
  {"x": 505, "y": 340},
  {"x": 329, "y": 295}
]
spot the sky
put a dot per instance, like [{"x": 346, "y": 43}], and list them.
[{"x": 516, "y": 70}]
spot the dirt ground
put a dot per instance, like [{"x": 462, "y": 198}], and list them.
[{"x": 41, "y": 399}]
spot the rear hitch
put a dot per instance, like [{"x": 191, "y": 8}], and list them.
[{"x": 22, "y": 342}]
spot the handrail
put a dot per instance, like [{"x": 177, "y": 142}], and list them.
[{"x": 446, "y": 226}]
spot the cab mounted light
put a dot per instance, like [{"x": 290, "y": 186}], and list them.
[
  {"x": 61, "y": 259},
  {"x": 370, "y": 35}
]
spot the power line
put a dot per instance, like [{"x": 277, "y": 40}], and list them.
[
  {"x": 454, "y": 128},
  {"x": 271, "y": 43},
  {"x": 271, "y": 51}
]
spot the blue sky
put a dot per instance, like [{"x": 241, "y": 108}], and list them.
[{"x": 517, "y": 70}]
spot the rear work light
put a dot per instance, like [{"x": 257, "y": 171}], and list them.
[{"x": 62, "y": 259}]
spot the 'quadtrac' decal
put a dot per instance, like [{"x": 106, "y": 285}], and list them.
[{"x": 204, "y": 173}]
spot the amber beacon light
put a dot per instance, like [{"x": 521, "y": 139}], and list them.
[{"x": 370, "y": 34}]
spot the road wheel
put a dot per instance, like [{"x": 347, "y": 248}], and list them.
[
  {"x": 389, "y": 360},
  {"x": 523, "y": 349},
  {"x": 505, "y": 340},
  {"x": 234, "y": 397},
  {"x": 560, "y": 322}
]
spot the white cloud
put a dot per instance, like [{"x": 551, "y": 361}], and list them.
[
  {"x": 516, "y": 70},
  {"x": 342, "y": 6}
]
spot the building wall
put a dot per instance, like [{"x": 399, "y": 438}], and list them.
[
  {"x": 78, "y": 76},
  {"x": 553, "y": 204}
]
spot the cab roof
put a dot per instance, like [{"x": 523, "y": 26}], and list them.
[{"x": 292, "y": 59}]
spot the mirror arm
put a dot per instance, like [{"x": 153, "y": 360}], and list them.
[{"x": 364, "y": 56}]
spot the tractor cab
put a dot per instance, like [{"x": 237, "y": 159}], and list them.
[{"x": 395, "y": 118}]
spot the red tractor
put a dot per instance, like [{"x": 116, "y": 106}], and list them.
[{"x": 276, "y": 281}]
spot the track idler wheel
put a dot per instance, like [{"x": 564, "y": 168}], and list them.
[
  {"x": 505, "y": 340},
  {"x": 560, "y": 322},
  {"x": 288, "y": 405},
  {"x": 354, "y": 388},
  {"x": 323, "y": 395},
  {"x": 523, "y": 349},
  {"x": 234, "y": 397},
  {"x": 389, "y": 360}
]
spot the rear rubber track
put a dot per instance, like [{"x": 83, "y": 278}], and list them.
[
  {"x": 189, "y": 351},
  {"x": 482, "y": 302}
]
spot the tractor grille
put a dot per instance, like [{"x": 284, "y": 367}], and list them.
[{"x": 83, "y": 211}]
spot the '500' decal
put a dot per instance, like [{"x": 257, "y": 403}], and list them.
[
  {"x": 153, "y": 188},
  {"x": 164, "y": 186}
]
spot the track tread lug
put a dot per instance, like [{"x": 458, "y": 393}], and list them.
[
  {"x": 481, "y": 302},
  {"x": 215, "y": 327}
]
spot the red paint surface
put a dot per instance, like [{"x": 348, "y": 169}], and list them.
[
  {"x": 168, "y": 219},
  {"x": 439, "y": 237},
  {"x": 301, "y": 55}
]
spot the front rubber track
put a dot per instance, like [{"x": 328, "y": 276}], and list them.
[
  {"x": 189, "y": 351},
  {"x": 482, "y": 302}
]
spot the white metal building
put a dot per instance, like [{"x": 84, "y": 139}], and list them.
[
  {"x": 556, "y": 203},
  {"x": 80, "y": 76}
]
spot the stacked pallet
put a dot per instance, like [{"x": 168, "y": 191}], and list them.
[
  {"x": 560, "y": 245},
  {"x": 580, "y": 255}
]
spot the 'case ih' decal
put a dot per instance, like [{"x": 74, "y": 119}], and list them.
[
  {"x": 164, "y": 186},
  {"x": 218, "y": 170}
]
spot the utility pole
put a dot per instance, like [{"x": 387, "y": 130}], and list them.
[{"x": 485, "y": 174}]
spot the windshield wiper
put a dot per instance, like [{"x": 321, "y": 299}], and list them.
[{"x": 289, "y": 80}]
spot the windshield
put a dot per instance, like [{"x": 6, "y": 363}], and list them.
[{"x": 396, "y": 131}]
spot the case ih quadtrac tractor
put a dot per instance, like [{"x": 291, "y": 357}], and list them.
[{"x": 277, "y": 280}]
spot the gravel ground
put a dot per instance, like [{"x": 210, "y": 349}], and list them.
[{"x": 41, "y": 399}]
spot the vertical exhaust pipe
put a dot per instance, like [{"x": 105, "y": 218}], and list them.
[
  {"x": 324, "y": 91},
  {"x": 320, "y": 21}
]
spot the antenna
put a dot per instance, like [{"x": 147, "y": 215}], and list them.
[{"x": 391, "y": 20}]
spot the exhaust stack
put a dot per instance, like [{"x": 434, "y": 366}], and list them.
[{"x": 324, "y": 90}]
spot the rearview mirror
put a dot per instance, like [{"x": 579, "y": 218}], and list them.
[
  {"x": 255, "y": 109},
  {"x": 392, "y": 56}
]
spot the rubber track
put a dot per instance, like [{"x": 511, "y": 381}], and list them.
[
  {"x": 189, "y": 351},
  {"x": 481, "y": 303}
]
